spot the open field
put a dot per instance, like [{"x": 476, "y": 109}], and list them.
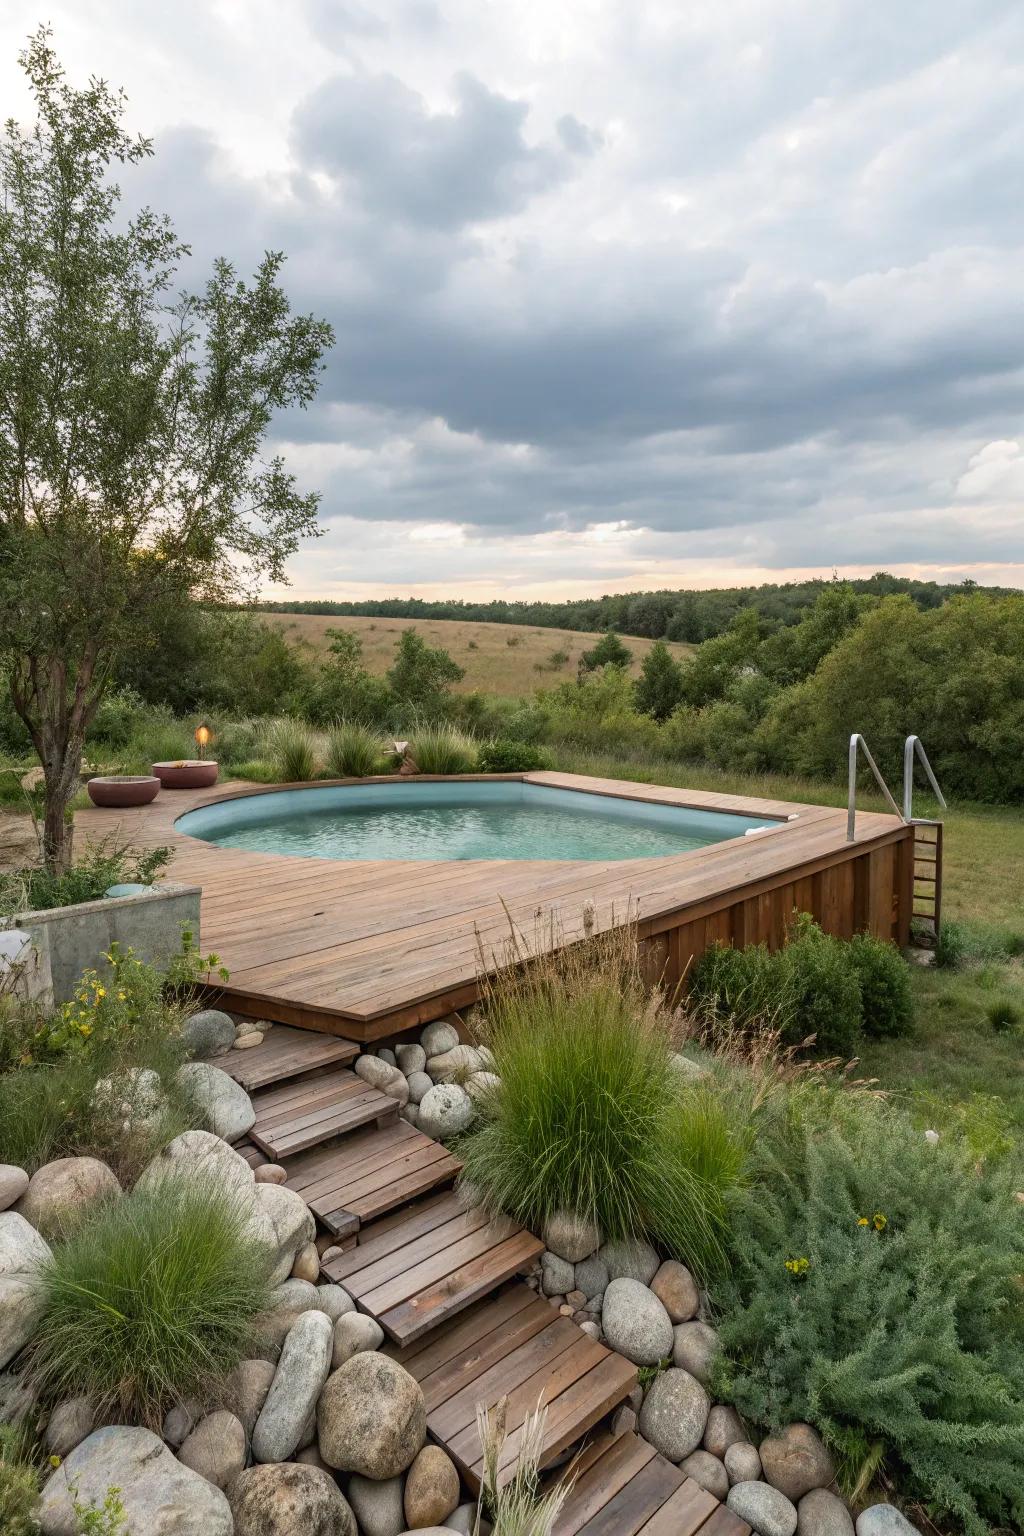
[{"x": 505, "y": 659}]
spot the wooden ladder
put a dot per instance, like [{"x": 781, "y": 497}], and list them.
[{"x": 927, "y": 906}]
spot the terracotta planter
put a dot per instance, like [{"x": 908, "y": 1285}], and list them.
[
  {"x": 123, "y": 789},
  {"x": 196, "y": 773}
]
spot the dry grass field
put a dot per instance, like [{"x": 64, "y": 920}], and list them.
[{"x": 504, "y": 659}]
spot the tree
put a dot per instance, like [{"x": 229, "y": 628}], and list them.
[
  {"x": 421, "y": 675},
  {"x": 608, "y": 652},
  {"x": 659, "y": 688},
  {"x": 131, "y": 422}
]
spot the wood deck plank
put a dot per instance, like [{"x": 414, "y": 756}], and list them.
[{"x": 284, "y": 1053}]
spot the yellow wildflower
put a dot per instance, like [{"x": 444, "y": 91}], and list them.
[
  {"x": 798, "y": 1266},
  {"x": 879, "y": 1221},
  {"x": 862, "y": 1221}
]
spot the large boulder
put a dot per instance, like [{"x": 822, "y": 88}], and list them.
[
  {"x": 411, "y": 1058},
  {"x": 694, "y": 1348},
  {"x": 335, "y": 1301},
  {"x": 23, "y": 1252},
  {"x": 675, "y": 1414},
  {"x": 725, "y": 1428},
  {"x": 764, "y": 1508},
  {"x": 573, "y": 1238},
  {"x": 208, "y": 1033},
  {"x": 289, "y": 1498},
  {"x": 371, "y": 1417},
  {"x": 223, "y": 1105},
  {"x": 592, "y": 1277},
  {"x": 431, "y": 1488},
  {"x": 302, "y": 1370},
  {"x": 636, "y": 1323},
  {"x": 558, "y": 1277},
  {"x": 68, "y": 1425},
  {"x": 457, "y": 1064},
  {"x": 379, "y": 1506},
  {"x": 707, "y": 1472},
  {"x": 884, "y": 1520},
  {"x": 742, "y": 1463},
  {"x": 59, "y": 1193},
  {"x": 216, "y": 1448},
  {"x": 246, "y": 1390},
  {"x": 379, "y": 1074},
  {"x": 820, "y": 1513},
  {"x": 13, "y": 1184},
  {"x": 160, "y": 1496},
  {"x": 631, "y": 1259},
  {"x": 677, "y": 1291},
  {"x": 438, "y": 1038},
  {"x": 445, "y": 1111},
  {"x": 132, "y": 1099},
  {"x": 281, "y": 1222},
  {"x": 418, "y": 1084},
  {"x": 355, "y": 1334},
  {"x": 797, "y": 1461},
  {"x": 201, "y": 1155}
]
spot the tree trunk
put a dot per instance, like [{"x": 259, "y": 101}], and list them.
[{"x": 61, "y": 775}]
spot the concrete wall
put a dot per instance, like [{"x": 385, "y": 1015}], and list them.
[{"x": 70, "y": 940}]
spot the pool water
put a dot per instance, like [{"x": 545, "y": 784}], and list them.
[{"x": 469, "y": 820}]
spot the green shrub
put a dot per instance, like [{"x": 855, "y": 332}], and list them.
[
  {"x": 102, "y": 865},
  {"x": 292, "y": 749},
  {"x": 590, "y": 1115},
  {"x": 443, "y": 749},
  {"x": 886, "y": 996},
  {"x": 510, "y": 757},
  {"x": 824, "y": 988},
  {"x": 19, "y": 1484},
  {"x": 238, "y": 741},
  {"x": 353, "y": 751},
  {"x": 150, "y": 1301},
  {"x": 874, "y": 1291},
  {"x": 1003, "y": 1015}
]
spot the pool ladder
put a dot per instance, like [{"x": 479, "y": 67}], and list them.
[{"x": 927, "y": 903}]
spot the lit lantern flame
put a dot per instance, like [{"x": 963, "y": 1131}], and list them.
[{"x": 203, "y": 734}]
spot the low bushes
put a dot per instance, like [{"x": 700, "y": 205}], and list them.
[
  {"x": 874, "y": 1291},
  {"x": 353, "y": 751},
  {"x": 102, "y": 865},
  {"x": 816, "y": 985},
  {"x": 151, "y": 1301},
  {"x": 19, "y": 1483},
  {"x": 504, "y": 756},
  {"x": 592, "y": 1117}
]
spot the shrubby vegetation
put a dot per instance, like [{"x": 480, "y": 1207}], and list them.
[
  {"x": 104, "y": 864},
  {"x": 874, "y": 1291},
  {"x": 815, "y": 988},
  {"x": 151, "y": 1301}
]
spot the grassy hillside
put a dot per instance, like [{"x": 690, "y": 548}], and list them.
[{"x": 498, "y": 658}]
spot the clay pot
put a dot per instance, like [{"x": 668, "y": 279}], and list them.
[
  {"x": 123, "y": 789},
  {"x": 195, "y": 773}
]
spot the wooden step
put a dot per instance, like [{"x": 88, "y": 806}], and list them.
[
  {"x": 352, "y": 1182},
  {"x": 297, "y": 1115},
  {"x": 622, "y": 1487},
  {"x": 418, "y": 1267},
  {"x": 285, "y": 1053},
  {"x": 515, "y": 1346}
]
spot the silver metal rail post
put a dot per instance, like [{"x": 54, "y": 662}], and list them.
[
  {"x": 857, "y": 742},
  {"x": 912, "y": 747}
]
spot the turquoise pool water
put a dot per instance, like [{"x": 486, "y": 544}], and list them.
[{"x": 479, "y": 820}]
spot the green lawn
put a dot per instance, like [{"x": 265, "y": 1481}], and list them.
[{"x": 957, "y": 1069}]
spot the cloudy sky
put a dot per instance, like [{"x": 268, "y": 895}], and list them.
[{"x": 628, "y": 293}]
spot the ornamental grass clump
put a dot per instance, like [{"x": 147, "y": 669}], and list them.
[
  {"x": 874, "y": 1291},
  {"x": 590, "y": 1115},
  {"x": 149, "y": 1302},
  {"x": 353, "y": 751},
  {"x": 292, "y": 749},
  {"x": 443, "y": 749}
]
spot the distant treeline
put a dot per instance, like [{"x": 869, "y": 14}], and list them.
[{"x": 669, "y": 615}]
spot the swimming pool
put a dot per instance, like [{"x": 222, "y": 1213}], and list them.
[{"x": 469, "y": 819}]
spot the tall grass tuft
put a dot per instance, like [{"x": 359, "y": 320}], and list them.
[
  {"x": 590, "y": 1115},
  {"x": 519, "y": 1508},
  {"x": 151, "y": 1301},
  {"x": 353, "y": 751},
  {"x": 292, "y": 748},
  {"x": 443, "y": 749},
  {"x": 19, "y": 1483}
]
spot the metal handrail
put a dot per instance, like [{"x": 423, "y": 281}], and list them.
[
  {"x": 911, "y": 746},
  {"x": 857, "y": 741}
]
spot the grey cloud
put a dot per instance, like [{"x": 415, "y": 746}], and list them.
[{"x": 436, "y": 168}]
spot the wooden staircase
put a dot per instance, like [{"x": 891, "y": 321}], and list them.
[{"x": 439, "y": 1278}]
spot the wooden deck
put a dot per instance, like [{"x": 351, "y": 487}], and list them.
[{"x": 366, "y": 949}]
